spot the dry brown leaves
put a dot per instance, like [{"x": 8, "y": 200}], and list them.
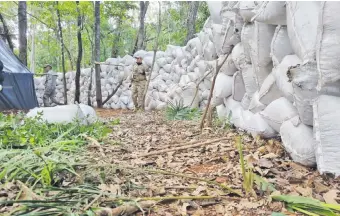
[{"x": 140, "y": 133}]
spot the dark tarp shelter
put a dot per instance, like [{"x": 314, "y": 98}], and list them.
[{"x": 18, "y": 87}]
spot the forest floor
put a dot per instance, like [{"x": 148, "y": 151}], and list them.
[
  {"x": 150, "y": 132},
  {"x": 176, "y": 179}
]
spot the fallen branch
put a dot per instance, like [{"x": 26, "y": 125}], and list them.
[
  {"x": 182, "y": 147},
  {"x": 113, "y": 92},
  {"x": 126, "y": 209},
  {"x": 92, "y": 202},
  {"x": 218, "y": 67}
]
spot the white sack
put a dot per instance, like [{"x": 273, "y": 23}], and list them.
[
  {"x": 328, "y": 47},
  {"x": 269, "y": 90},
  {"x": 221, "y": 112},
  {"x": 246, "y": 9},
  {"x": 89, "y": 113},
  {"x": 239, "y": 57},
  {"x": 280, "y": 46},
  {"x": 256, "y": 125},
  {"x": 238, "y": 89},
  {"x": 280, "y": 75},
  {"x": 59, "y": 114},
  {"x": 271, "y": 12},
  {"x": 214, "y": 9},
  {"x": 255, "y": 105},
  {"x": 298, "y": 141},
  {"x": 245, "y": 102},
  {"x": 302, "y": 17},
  {"x": 233, "y": 111},
  {"x": 188, "y": 96},
  {"x": 140, "y": 53},
  {"x": 327, "y": 132},
  {"x": 249, "y": 80},
  {"x": 277, "y": 112},
  {"x": 228, "y": 68},
  {"x": 223, "y": 86}
]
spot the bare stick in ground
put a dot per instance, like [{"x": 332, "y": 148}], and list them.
[
  {"x": 218, "y": 67},
  {"x": 182, "y": 147}
]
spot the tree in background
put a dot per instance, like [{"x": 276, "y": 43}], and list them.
[
  {"x": 97, "y": 53},
  {"x": 191, "y": 21},
  {"x": 22, "y": 20},
  {"x": 5, "y": 34},
  {"x": 143, "y": 7},
  {"x": 80, "y": 54}
]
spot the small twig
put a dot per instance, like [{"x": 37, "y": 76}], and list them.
[
  {"x": 92, "y": 202},
  {"x": 126, "y": 209},
  {"x": 182, "y": 147}
]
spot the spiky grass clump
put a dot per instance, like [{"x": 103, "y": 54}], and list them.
[{"x": 177, "y": 111}]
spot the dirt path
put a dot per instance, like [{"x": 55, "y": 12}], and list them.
[{"x": 141, "y": 133}]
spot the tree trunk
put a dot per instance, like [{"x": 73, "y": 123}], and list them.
[
  {"x": 191, "y": 21},
  {"x": 80, "y": 54},
  {"x": 91, "y": 75},
  {"x": 6, "y": 33},
  {"x": 22, "y": 17},
  {"x": 62, "y": 53},
  {"x": 141, "y": 32},
  {"x": 97, "y": 53},
  {"x": 154, "y": 51},
  {"x": 115, "y": 44}
]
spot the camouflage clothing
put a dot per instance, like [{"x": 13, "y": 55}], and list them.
[
  {"x": 50, "y": 85},
  {"x": 139, "y": 84}
]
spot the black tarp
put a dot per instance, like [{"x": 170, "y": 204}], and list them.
[{"x": 18, "y": 87}]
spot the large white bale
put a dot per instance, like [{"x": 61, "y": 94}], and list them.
[
  {"x": 298, "y": 141},
  {"x": 59, "y": 114},
  {"x": 238, "y": 89},
  {"x": 256, "y": 125},
  {"x": 260, "y": 51},
  {"x": 271, "y": 12},
  {"x": 223, "y": 86},
  {"x": 214, "y": 9},
  {"x": 239, "y": 57},
  {"x": 328, "y": 47},
  {"x": 280, "y": 46},
  {"x": 89, "y": 113},
  {"x": 269, "y": 90},
  {"x": 280, "y": 75},
  {"x": 327, "y": 133},
  {"x": 249, "y": 80},
  {"x": 302, "y": 17},
  {"x": 277, "y": 112}
]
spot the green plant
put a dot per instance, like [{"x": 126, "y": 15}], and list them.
[
  {"x": 308, "y": 206},
  {"x": 177, "y": 111},
  {"x": 247, "y": 173}
]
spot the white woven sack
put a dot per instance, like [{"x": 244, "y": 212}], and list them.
[
  {"x": 238, "y": 89},
  {"x": 280, "y": 46},
  {"x": 271, "y": 12}
]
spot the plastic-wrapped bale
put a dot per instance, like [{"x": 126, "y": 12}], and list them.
[
  {"x": 249, "y": 80},
  {"x": 245, "y": 102},
  {"x": 271, "y": 12},
  {"x": 89, "y": 113},
  {"x": 277, "y": 112},
  {"x": 302, "y": 17},
  {"x": 221, "y": 112},
  {"x": 328, "y": 45},
  {"x": 259, "y": 44},
  {"x": 304, "y": 82},
  {"x": 228, "y": 68},
  {"x": 326, "y": 131},
  {"x": 59, "y": 114},
  {"x": 298, "y": 141},
  {"x": 233, "y": 111},
  {"x": 280, "y": 75},
  {"x": 256, "y": 125},
  {"x": 255, "y": 105},
  {"x": 246, "y": 9},
  {"x": 239, "y": 57},
  {"x": 222, "y": 89},
  {"x": 269, "y": 90},
  {"x": 214, "y": 9},
  {"x": 238, "y": 89},
  {"x": 280, "y": 46}
]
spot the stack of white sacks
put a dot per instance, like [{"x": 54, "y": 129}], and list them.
[{"x": 282, "y": 77}]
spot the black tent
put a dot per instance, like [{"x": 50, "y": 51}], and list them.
[{"x": 18, "y": 87}]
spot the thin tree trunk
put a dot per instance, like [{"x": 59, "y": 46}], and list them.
[
  {"x": 62, "y": 53},
  {"x": 115, "y": 44},
  {"x": 191, "y": 21},
  {"x": 91, "y": 75},
  {"x": 80, "y": 54},
  {"x": 154, "y": 51},
  {"x": 97, "y": 53},
  {"x": 22, "y": 17},
  {"x": 6, "y": 32},
  {"x": 141, "y": 32}
]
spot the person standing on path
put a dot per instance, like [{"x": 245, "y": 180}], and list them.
[
  {"x": 138, "y": 83},
  {"x": 50, "y": 86}
]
